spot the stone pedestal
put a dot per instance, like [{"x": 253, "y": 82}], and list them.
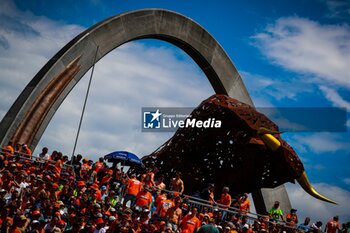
[{"x": 265, "y": 198}]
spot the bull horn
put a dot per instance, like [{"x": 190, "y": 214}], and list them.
[
  {"x": 270, "y": 141},
  {"x": 305, "y": 184}
]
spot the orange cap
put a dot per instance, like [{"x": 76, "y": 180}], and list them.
[
  {"x": 162, "y": 223},
  {"x": 94, "y": 186},
  {"x": 81, "y": 183},
  {"x": 99, "y": 221}
]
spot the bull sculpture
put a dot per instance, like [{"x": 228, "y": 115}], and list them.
[{"x": 245, "y": 153}]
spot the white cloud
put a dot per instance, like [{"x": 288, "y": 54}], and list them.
[
  {"x": 295, "y": 43},
  {"x": 28, "y": 43},
  {"x": 321, "y": 142},
  {"x": 346, "y": 181},
  {"x": 338, "y": 8},
  {"x": 276, "y": 88},
  {"x": 133, "y": 76},
  {"x": 319, "y": 210},
  {"x": 334, "y": 96},
  {"x": 301, "y": 45}
]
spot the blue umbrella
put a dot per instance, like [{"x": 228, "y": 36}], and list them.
[{"x": 124, "y": 157}]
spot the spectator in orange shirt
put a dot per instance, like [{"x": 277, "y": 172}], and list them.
[
  {"x": 333, "y": 225},
  {"x": 149, "y": 178},
  {"x": 26, "y": 151},
  {"x": 98, "y": 165},
  {"x": 9, "y": 151},
  {"x": 164, "y": 205},
  {"x": 292, "y": 218},
  {"x": 225, "y": 200},
  {"x": 58, "y": 164},
  {"x": 190, "y": 223},
  {"x": 144, "y": 198},
  {"x": 133, "y": 187},
  {"x": 244, "y": 204},
  {"x": 161, "y": 197},
  {"x": 106, "y": 179}
]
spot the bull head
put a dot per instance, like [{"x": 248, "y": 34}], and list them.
[{"x": 245, "y": 153}]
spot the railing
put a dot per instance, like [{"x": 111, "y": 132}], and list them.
[
  {"x": 22, "y": 157},
  {"x": 200, "y": 204}
]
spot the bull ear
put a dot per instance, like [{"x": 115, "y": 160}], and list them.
[
  {"x": 305, "y": 184},
  {"x": 263, "y": 130}
]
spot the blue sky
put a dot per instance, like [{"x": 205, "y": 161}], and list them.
[{"x": 289, "y": 53}]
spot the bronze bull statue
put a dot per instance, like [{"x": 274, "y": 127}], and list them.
[{"x": 245, "y": 153}]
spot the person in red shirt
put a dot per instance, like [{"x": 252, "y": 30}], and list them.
[
  {"x": 144, "y": 198},
  {"x": 333, "y": 225},
  {"x": 133, "y": 187},
  {"x": 190, "y": 223}
]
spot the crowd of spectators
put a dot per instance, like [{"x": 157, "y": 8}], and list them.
[{"x": 50, "y": 193}]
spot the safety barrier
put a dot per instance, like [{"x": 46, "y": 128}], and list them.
[
  {"x": 202, "y": 205},
  {"x": 23, "y": 158}
]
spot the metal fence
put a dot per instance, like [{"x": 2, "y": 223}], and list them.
[
  {"x": 202, "y": 205},
  {"x": 22, "y": 158}
]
